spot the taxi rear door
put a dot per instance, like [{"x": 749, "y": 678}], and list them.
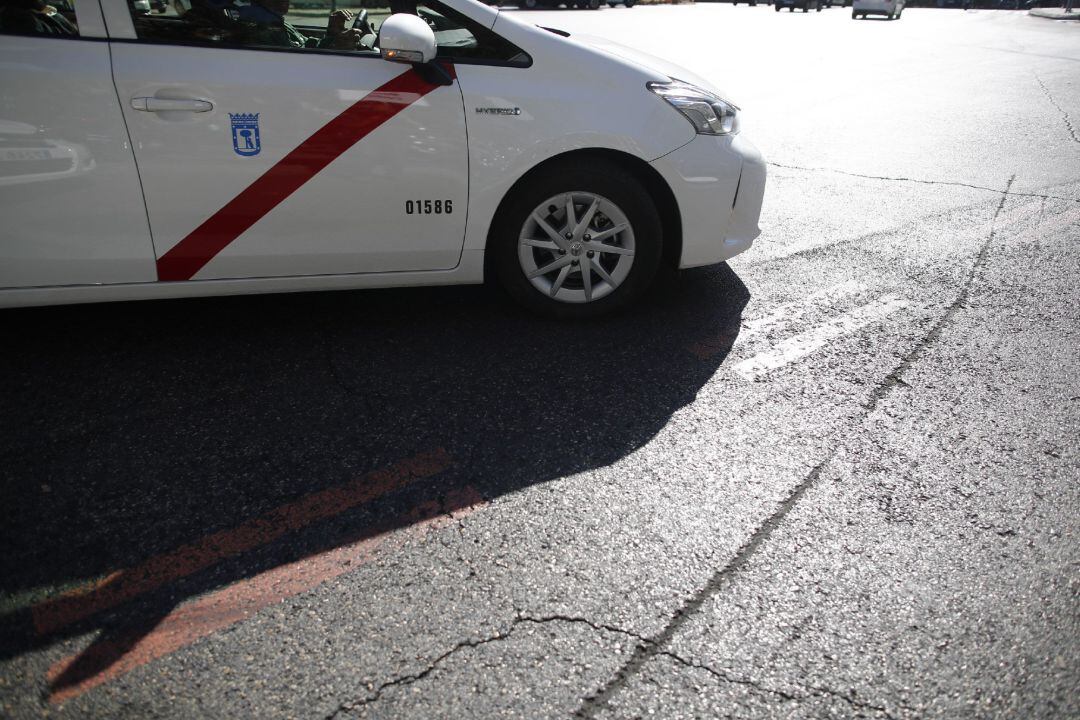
[
  {"x": 262, "y": 161},
  {"x": 69, "y": 190}
]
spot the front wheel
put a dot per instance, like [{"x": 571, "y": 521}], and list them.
[{"x": 578, "y": 241}]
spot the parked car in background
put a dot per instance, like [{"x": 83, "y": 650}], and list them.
[
  {"x": 570, "y": 4},
  {"x": 892, "y": 9},
  {"x": 804, "y": 5}
]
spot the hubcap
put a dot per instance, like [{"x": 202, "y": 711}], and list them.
[{"x": 576, "y": 247}]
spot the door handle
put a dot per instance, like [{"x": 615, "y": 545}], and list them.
[{"x": 153, "y": 104}]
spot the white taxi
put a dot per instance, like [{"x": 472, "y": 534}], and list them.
[{"x": 235, "y": 146}]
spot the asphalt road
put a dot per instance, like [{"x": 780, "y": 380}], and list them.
[{"x": 835, "y": 478}]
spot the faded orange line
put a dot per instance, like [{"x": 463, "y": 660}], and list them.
[
  {"x": 54, "y": 613},
  {"x": 193, "y": 621}
]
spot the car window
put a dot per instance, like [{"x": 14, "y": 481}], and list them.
[
  {"x": 316, "y": 25},
  {"x": 258, "y": 24},
  {"x": 38, "y": 18}
]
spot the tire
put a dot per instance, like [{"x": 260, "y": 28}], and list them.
[
  {"x": 530, "y": 4},
  {"x": 621, "y": 199},
  {"x": 630, "y": 3},
  {"x": 611, "y": 4},
  {"x": 594, "y": 4},
  {"x": 854, "y": 15},
  {"x": 776, "y": 8}
]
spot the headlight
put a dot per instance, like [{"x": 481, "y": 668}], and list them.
[{"x": 709, "y": 114}]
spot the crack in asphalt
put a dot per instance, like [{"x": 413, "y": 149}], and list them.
[
  {"x": 857, "y": 241},
  {"x": 598, "y": 700},
  {"x": 920, "y": 181},
  {"x": 411, "y": 678},
  {"x": 648, "y": 648},
  {"x": 375, "y": 694},
  {"x": 722, "y": 675},
  {"x": 895, "y": 377},
  {"x": 1064, "y": 115},
  {"x": 860, "y": 704}
]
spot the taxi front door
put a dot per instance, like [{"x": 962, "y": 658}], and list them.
[{"x": 273, "y": 163}]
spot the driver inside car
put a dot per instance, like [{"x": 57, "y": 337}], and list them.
[
  {"x": 34, "y": 17},
  {"x": 271, "y": 28}
]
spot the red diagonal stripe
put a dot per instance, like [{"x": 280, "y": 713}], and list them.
[{"x": 286, "y": 177}]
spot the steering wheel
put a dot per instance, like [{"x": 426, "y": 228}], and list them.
[{"x": 360, "y": 22}]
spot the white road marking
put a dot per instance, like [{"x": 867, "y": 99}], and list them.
[
  {"x": 789, "y": 313},
  {"x": 803, "y": 344},
  {"x": 783, "y": 316}
]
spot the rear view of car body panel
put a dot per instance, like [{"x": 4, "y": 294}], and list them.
[{"x": 883, "y": 7}]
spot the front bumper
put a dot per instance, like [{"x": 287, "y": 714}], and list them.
[{"x": 718, "y": 183}]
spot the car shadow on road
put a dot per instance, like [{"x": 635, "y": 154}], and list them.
[{"x": 158, "y": 451}]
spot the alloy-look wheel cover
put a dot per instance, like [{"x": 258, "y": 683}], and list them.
[{"x": 576, "y": 247}]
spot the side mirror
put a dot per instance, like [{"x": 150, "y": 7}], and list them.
[{"x": 406, "y": 38}]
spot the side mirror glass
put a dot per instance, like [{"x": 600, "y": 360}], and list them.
[{"x": 406, "y": 38}]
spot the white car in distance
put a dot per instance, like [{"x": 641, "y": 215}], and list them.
[
  {"x": 891, "y": 9},
  {"x": 229, "y": 151}
]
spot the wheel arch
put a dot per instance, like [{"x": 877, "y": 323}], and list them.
[{"x": 653, "y": 182}]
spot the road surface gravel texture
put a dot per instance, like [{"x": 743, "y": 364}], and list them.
[{"x": 835, "y": 477}]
